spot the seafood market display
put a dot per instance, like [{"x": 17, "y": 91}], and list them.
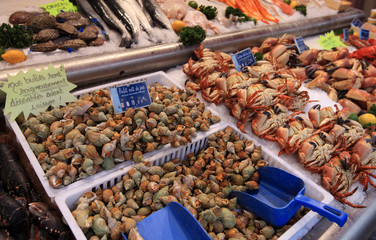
[
  {"x": 201, "y": 183},
  {"x": 267, "y": 94},
  {"x": 23, "y": 215},
  {"x": 45, "y": 33},
  {"x": 256, "y": 88},
  {"x": 86, "y": 136},
  {"x": 134, "y": 24}
]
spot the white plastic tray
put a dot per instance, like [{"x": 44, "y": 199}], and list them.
[
  {"x": 66, "y": 201},
  {"x": 157, "y": 77}
]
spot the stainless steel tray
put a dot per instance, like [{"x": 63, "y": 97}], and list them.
[{"x": 95, "y": 69}]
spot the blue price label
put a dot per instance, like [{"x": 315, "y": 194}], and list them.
[
  {"x": 364, "y": 34},
  {"x": 345, "y": 34},
  {"x": 356, "y": 23},
  {"x": 300, "y": 44},
  {"x": 243, "y": 58},
  {"x": 130, "y": 95}
]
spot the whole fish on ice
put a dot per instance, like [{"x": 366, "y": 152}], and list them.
[
  {"x": 101, "y": 7},
  {"x": 157, "y": 13}
]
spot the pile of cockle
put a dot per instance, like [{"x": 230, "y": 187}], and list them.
[
  {"x": 84, "y": 137},
  {"x": 67, "y": 31},
  {"x": 201, "y": 183}
]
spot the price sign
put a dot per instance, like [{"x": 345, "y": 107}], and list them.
[
  {"x": 243, "y": 58},
  {"x": 130, "y": 95},
  {"x": 356, "y": 23},
  {"x": 59, "y": 6},
  {"x": 345, "y": 34},
  {"x": 330, "y": 40},
  {"x": 34, "y": 91},
  {"x": 364, "y": 34},
  {"x": 300, "y": 44}
]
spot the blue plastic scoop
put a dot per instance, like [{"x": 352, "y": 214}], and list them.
[
  {"x": 279, "y": 196},
  {"x": 170, "y": 223}
]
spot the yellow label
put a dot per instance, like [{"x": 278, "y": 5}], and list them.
[
  {"x": 59, "y": 6},
  {"x": 330, "y": 40},
  {"x": 33, "y": 91}
]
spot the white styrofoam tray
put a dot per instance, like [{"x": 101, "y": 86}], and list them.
[
  {"x": 157, "y": 77},
  {"x": 67, "y": 202}
]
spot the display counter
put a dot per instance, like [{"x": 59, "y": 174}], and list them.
[
  {"x": 87, "y": 71},
  {"x": 90, "y": 71}
]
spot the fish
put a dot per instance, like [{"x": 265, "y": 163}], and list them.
[
  {"x": 109, "y": 17},
  {"x": 144, "y": 23},
  {"x": 157, "y": 14},
  {"x": 127, "y": 16},
  {"x": 147, "y": 15},
  {"x": 174, "y": 9},
  {"x": 197, "y": 18},
  {"x": 91, "y": 14},
  {"x": 221, "y": 7}
]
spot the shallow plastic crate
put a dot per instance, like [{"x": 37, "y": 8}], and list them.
[
  {"x": 67, "y": 202},
  {"x": 157, "y": 77}
]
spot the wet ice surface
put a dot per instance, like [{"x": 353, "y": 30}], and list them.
[{"x": 161, "y": 36}]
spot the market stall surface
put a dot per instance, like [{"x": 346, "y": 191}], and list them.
[{"x": 164, "y": 36}]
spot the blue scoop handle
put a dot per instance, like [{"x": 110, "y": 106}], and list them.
[{"x": 324, "y": 210}]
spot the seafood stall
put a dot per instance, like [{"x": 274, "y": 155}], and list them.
[{"x": 201, "y": 129}]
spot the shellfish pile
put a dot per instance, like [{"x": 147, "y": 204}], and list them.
[
  {"x": 256, "y": 88},
  {"x": 85, "y": 137},
  {"x": 267, "y": 94},
  {"x": 201, "y": 183},
  {"x": 67, "y": 31}
]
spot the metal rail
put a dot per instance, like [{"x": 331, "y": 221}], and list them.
[{"x": 95, "y": 69}]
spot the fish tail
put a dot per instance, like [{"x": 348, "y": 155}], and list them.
[{"x": 125, "y": 42}]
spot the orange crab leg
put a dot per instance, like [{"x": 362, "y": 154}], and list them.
[
  {"x": 250, "y": 9},
  {"x": 231, "y": 3},
  {"x": 264, "y": 12},
  {"x": 284, "y": 7}
]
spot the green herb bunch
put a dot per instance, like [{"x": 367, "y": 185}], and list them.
[
  {"x": 15, "y": 36},
  {"x": 192, "y": 35},
  {"x": 238, "y": 13},
  {"x": 209, "y": 11},
  {"x": 302, "y": 9}
]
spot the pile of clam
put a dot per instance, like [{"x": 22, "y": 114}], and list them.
[
  {"x": 67, "y": 31},
  {"x": 85, "y": 137},
  {"x": 201, "y": 183}
]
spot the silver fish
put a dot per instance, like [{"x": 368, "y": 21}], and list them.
[
  {"x": 146, "y": 13},
  {"x": 126, "y": 15},
  {"x": 109, "y": 17},
  {"x": 140, "y": 15},
  {"x": 157, "y": 14},
  {"x": 91, "y": 14}
]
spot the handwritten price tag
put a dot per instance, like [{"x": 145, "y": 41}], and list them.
[
  {"x": 133, "y": 95},
  {"x": 59, "y": 6},
  {"x": 243, "y": 58},
  {"x": 33, "y": 91},
  {"x": 330, "y": 40}
]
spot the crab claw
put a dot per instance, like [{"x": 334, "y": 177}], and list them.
[
  {"x": 346, "y": 103},
  {"x": 307, "y": 57}
]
